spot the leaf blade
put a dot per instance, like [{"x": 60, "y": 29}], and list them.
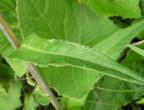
[
  {"x": 61, "y": 53},
  {"x": 126, "y": 9},
  {"x": 117, "y": 42}
]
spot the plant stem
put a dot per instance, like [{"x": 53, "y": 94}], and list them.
[
  {"x": 8, "y": 33},
  {"x": 138, "y": 43},
  {"x": 4, "y": 27}
]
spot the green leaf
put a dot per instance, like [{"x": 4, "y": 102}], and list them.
[
  {"x": 109, "y": 94},
  {"x": 29, "y": 102},
  {"x": 60, "y": 53},
  {"x": 12, "y": 97},
  {"x": 124, "y": 8},
  {"x": 69, "y": 81},
  {"x": 69, "y": 21},
  {"x": 40, "y": 97},
  {"x": 141, "y": 101},
  {"x": 135, "y": 62},
  {"x": 18, "y": 66},
  {"x": 117, "y": 42},
  {"x": 34, "y": 99},
  {"x": 72, "y": 104}
]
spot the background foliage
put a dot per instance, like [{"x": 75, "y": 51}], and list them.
[{"x": 86, "y": 50}]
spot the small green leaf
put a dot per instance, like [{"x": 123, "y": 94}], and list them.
[
  {"x": 13, "y": 97},
  {"x": 30, "y": 81},
  {"x": 40, "y": 97},
  {"x": 29, "y": 102}
]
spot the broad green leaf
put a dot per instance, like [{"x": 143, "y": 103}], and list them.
[
  {"x": 136, "y": 49},
  {"x": 11, "y": 100},
  {"x": 60, "y": 53},
  {"x": 114, "y": 93},
  {"x": 108, "y": 94},
  {"x": 120, "y": 39},
  {"x": 69, "y": 21},
  {"x": 69, "y": 81},
  {"x": 117, "y": 42},
  {"x": 124, "y": 8}
]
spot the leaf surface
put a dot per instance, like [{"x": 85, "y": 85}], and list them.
[
  {"x": 124, "y": 8},
  {"x": 57, "y": 52},
  {"x": 68, "y": 21},
  {"x": 12, "y": 96},
  {"x": 117, "y": 42},
  {"x": 69, "y": 81}
]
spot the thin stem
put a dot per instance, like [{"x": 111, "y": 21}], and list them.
[
  {"x": 139, "y": 43},
  {"x": 4, "y": 27},
  {"x": 8, "y": 33}
]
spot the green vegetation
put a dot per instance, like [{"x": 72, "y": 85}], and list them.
[{"x": 71, "y": 54}]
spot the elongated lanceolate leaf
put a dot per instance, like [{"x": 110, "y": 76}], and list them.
[
  {"x": 59, "y": 53},
  {"x": 115, "y": 44}
]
